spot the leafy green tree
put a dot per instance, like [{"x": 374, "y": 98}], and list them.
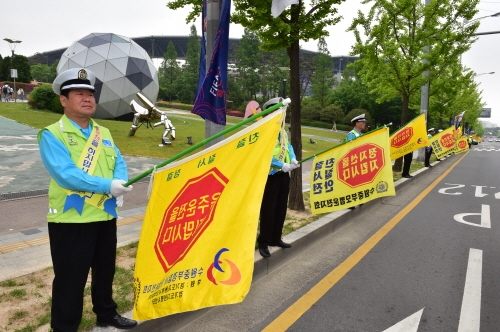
[
  {"x": 5, "y": 69},
  {"x": 248, "y": 62},
  {"x": 274, "y": 71},
  {"x": 322, "y": 79},
  {"x": 21, "y": 63},
  {"x": 169, "y": 72},
  {"x": 189, "y": 78},
  {"x": 332, "y": 113},
  {"x": 40, "y": 72},
  {"x": 286, "y": 31},
  {"x": 396, "y": 33}
]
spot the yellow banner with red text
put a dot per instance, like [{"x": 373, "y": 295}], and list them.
[
  {"x": 197, "y": 244},
  {"x": 352, "y": 173}
]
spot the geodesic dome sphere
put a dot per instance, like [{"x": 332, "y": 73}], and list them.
[{"x": 122, "y": 68}]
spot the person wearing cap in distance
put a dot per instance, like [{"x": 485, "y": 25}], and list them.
[
  {"x": 275, "y": 199},
  {"x": 88, "y": 173},
  {"x": 359, "y": 123},
  {"x": 428, "y": 149}
]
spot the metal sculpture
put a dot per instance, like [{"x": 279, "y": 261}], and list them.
[{"x": 146, "y": 115}]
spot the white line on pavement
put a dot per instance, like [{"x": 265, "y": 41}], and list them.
[{"x": 470, "y": 313}]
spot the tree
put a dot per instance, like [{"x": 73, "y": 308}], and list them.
[
  {"x": 189, "y": 77},
  {"x": 392, "y": 49},
  {"x": 21, "y": 63},
  {"x": 249, "y": 60},
  {"x": 293, "y": 25},
  {"x": 5, "y": 69},
  {"x": 169, "y": 72},
  {"x": 40, "y": 72},
  {"x": 322, "y": 79}
]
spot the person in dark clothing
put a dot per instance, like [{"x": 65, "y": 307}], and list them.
[{"x": 407, "y": 158}]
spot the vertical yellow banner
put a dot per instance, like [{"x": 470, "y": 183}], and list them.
[
  {"x": 462, "y": 145},
  {"x": 353, "y": 173},
  {"x": 444, "y": 143},
  {"x": 411, "y": 137},
  {"x": 198, "y": 238}
]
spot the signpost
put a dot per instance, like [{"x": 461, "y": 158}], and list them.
[{"x": 13, "y": 74}]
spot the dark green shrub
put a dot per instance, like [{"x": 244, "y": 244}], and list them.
[
  {"x": 55, "y": 105},
  {"x": 42, "y": 98}
]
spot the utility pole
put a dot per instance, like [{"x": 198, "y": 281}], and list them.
[
  {"x": 213, "y": 15},
  {"x": 424, "y": 94}
]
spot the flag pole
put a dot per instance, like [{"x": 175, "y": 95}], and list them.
[
  {"x": 335, "y": 146},
  {"x": 206, "y": 140}
]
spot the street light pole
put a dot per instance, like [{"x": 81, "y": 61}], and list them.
[{"x": 424, "y": 93}]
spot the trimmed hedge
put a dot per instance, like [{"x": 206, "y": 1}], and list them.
[{"x": 43, "y": 97}]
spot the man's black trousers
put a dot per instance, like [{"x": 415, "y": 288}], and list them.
[
  {"x": 407, "y": 158},
  {"x": 76, "y": 248},
  {"x": 273, "y": 209},
  {"x": 428, "y": 152}
]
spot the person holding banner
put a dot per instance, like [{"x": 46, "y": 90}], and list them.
[
  {"x": 88, "y": 173},
  {"x": 428, "y": 149},
  {"x": 275, "y": 199},
  {"x": 407, "y": 158},
  {"x": 359, "y": 123}
]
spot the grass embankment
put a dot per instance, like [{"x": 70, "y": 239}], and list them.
[{"x": 25, "y": 301}]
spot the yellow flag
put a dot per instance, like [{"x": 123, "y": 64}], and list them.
[
  {"x": 462, "y": 145},
  {"x": 352, "y": 173},
  {"x": 443, "y": 143},
  {"x": 411, "y": 137},
  {"x": 197, "y": 242}
]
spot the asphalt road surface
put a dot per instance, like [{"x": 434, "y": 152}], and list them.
[{"x": 425, "y": 260}]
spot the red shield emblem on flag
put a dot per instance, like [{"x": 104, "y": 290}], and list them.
[
  {"x": 402, "y": 138},
  {"x": 447, "y": 141},
  {"x": 361, "y": 165},
  {"x": 188, "y": 216},
  {"x": 462, "y": 144}
]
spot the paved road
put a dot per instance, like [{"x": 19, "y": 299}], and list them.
[{"x": 436, "y": 270}]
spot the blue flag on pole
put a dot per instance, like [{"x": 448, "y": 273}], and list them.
[{"x": 210, "y": 102}]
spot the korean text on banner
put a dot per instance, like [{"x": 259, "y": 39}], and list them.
[
  {"x": 197, "y": 244},
  {"x": 353, "y": 173},
  {"x": 443, "y": 143},
  {"x": 411, "y": 137},
  {"x": 462, "y": 145}
]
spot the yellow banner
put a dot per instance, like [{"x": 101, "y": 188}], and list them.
[
  {"x": 353, "y": 173},
  {"x": 411, "y": 137},
  {"x": 197, "y": 244},
  {"x": 462, "y": 145},
  {"x": 443, "y": 143}
]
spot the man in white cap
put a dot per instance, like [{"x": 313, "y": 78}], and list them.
[
  {"x": 359, "y": 123},
  {"x": 428, "y": 149},
  {"x": 88, "y": 173}
]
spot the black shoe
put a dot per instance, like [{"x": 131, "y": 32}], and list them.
[
  {"x": 119, "y": 322},
  {"x": 428, "y": 165},
  {"x": 282, "y": 244},
  {"x": 264, "y": 252},
  {"x": 438, "y": 159},
  {"x": 352, "y": 208},
  {"x": 407, "y": 176}
]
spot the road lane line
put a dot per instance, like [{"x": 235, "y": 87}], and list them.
[
  {"x": 470, "y": 314},
  {"x": 296, "y": 310}
]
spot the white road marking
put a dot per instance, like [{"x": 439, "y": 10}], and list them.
[
  {"x": 470, "y": 313},
  {"x": 409, "y": 324},
  {"x": 485, "y": 217}
]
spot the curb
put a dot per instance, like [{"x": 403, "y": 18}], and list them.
[{"x": 301, "y": 240}]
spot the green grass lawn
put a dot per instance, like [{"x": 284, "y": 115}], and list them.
[{"x": 145, "y": 141}]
